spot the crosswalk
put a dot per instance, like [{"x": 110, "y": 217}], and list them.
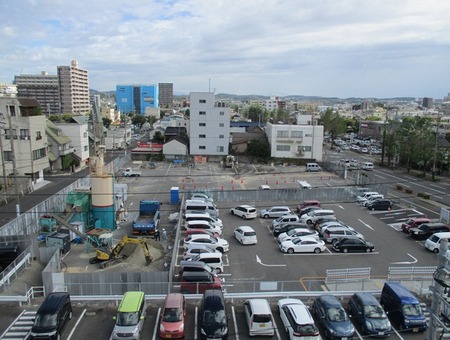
[{"x": 19, "y": 329}]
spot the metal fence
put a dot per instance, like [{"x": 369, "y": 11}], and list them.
[{"x": 15, "y": 269}]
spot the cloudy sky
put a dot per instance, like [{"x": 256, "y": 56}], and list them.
[{"x": 341, "y": 48}]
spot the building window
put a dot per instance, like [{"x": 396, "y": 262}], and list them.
[
  {"x": 297, "y": 134},
  {"x": 85, "y": 134},
  {"x": 221, "y": 124},
  {"x": 307, "y": 148},
  {"x": 201, "y": 124},
  {"x": 38, "y": 135},
  {"x": 202, "y": 113},
  {"x": 38, "y": 154},
  {"x": 220, "y": 149},
  {"x": 24, "y": 134},
  {"x": 202, "y": 147},
  {"x": 221, "y": 113},
  {"x": 283, "y": 134},
  {"x": 308, "y": 135},
  {"x": 8, "y": 133},
  {"x": 12, "y": 111},
  {"x": 201, "y": 136},
  {"x": 221, "y": 136},
  {"x": 86, "y": 148},
  {"x": 7, "y": 156},
  {"x": 202, "y": 101},
  {"x": 283, "y": 148}
]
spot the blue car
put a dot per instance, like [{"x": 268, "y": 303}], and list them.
[
  {"x": 332, "y": 317},
  {"x": 368, "y": 313}
]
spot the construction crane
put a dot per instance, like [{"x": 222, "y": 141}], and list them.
[{"x": 108, "y": 256}]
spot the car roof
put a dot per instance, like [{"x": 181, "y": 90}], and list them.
[
  {"x": 245, "y": 206},
  {"x": 173, "y": 300},
  {"x": 208, "y": 255},
  {"x": 246, "y": 228},
  {"x": 197, "y": 222},
  {"x": 367, "y": 298},
  {"x": 330, "y": 301},
  {"x": 261, "y": 305},
  {"x": 199, "y": 236},
  {"x": 298, "y": 310}
]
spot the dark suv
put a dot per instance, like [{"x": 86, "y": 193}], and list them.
[
  {"x": 425, "y": 230},
  {"x": 283, "y": 228},
  {"x": 380, "y": 204},
  {"x": 213, "y": 320}
]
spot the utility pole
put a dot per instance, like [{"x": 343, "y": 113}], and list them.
[
  {"x": 5, "y": 184},
  {"x": 13, "y": 159}
]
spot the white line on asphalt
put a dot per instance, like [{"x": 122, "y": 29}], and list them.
[
  {"x": 414, "y": 181},
  {"x": 235, "y": 323},
  {"x": 380, "y": 176},
  {"x": 155, "y": 329},
  {"x": 365, "y": 224},
  {"x": 76, "y": 325},
  {"x": 407, "y": 262},
  {"x": 269, "y": 265}
]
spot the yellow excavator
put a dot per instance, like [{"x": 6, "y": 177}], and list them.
[{"x": 108, "y": 256}]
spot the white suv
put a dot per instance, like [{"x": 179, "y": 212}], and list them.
[
  {"x": 275, "y": 212},
  {"x": 297, "y": 319},
  {"x": 244, "y": 211},
  {"x": 314, "y": 215},
  {"x": 285, "y": 219}
]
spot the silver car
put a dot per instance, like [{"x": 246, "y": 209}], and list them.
[
  {"x": 275, "y": 212},
  {"x": 333, "y": 235}
]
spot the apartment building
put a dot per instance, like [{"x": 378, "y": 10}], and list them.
[
  {"x": 209, "y": 128},
  {"x": 165, "y": 95},
  {"x": 43, "y": 87},
  {"x": 295, "y": 141},
  {"x": 74, "y": 89},
  {"x": 77, "y": 130},
  {"x": 139, "y": 99}
]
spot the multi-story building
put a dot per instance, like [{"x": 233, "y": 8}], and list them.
[
  {"x": 43, "y": 87},
  {"x": 139, "y": 99},
  {"x": 23, "y": 141},
  {"x": 77, "y": 130},
  {"x": 165, "y": 95},
  {"x": 209, "y": 128},
  {"x": 295, "y": 141},
  {"x": 274, "y": 103},
  {"x": 74, "y": 89}
]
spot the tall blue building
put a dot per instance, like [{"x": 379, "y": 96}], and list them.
[{"x": 136, "y": 98}]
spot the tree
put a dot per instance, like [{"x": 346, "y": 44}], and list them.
[
  {"x": 106, "y": 122},
  {"x": 333, "y": 123},
  {"x": 255, "y": 114},
  {"x": 158, "y": 136},
  {"x": 259, "y": 148},
  {"x": 151, "y": 120},
  {"x": 138, "y": 120}
]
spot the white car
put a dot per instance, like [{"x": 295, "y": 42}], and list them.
[
  {"x": 297, "y": 320},
  {"x": 201, "y": 196},
  {"x": 306, "y": 244},
  {"x": 365, "y": 196},
  {"x": 371, "y": 199},
  {"x": 195, "y": 249},
  {"x": 297, "y": 232},
  {"x": 217, "y": 243},
  {"x": 285, "y": 219},
  {"x": 244, "y": 211},
  {"x": 275, "y": 212},
  {"x": 333, "y": 224},
  {"x": 245, "y": 235}
]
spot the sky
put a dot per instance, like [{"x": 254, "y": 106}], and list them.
[{"x": 330, "y": 48}]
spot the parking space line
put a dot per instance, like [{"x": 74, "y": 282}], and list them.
[
  {"x": 155, "y": 329},
  {"x": 365, "y": 224},
  {"x": 76, "y": 324},
  {"x": 233, "y": 313}
]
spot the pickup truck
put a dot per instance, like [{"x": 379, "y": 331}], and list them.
[{"x": 128, "y": 172}]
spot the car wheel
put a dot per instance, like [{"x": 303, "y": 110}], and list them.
[
  {"x": 368, "y": 250},
  {"x": 290, "y": 251},
  {"x": 345, "y": 250},
  {"x": 266, "y": 216},
  {"x": 242, "y": 241},
  {"x": 220, "y": 249},
  {"x": 436, "y": 251},
  {"x": 218, "y": 271},
  {"x": 232, "y": 212},
  {"x": 317, "y": 250},
  {"x": 333, "y": 241},
  {"x": 70, "y": 315},
  {"x": 243, "y": 217},
  {"x": 309, "y": 222},
  {"x": 373, "y": 209}
]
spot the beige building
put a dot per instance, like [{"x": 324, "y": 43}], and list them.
[{"x": 74, "y": 89}]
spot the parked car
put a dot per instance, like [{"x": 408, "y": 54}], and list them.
[
  {"x": 245, "y": 235},
  {"x": 198, "y": 282},
  {"x": 259, "y": 317},
  {"x": 283, "y": 228},
  {"x": 264, "y": 187},
  {"x": 201, "y": 231},
  {"x": 333, "y": 224},
  {"x": 321, "y": 221},
  {"x": 214, "y": 242},
  {"x": 171, "y": 325},
  {"x": 297, "y": 320},
  {"x": 275, "y": 212},
  {"x": 365, "y": 196},
  {"x": 285, "y": 219},
  {"x": 244, "y": 211},
  {"x": 313, "y": 216},
  {"x": 204, "y": 216},
  {"x": 203, "y": 225},
  {"x": 213, "y": 319},
  {"x": 332, "y": 316},
  {"x": 201, "y": 196},
  {"x": 433, "y": 243},
  {"x": 346, "y": 245},
  {"x": 307, "y": 210},
  {"x": 413, "y": 222},
  {"x": 195, "y": 249},
  {"x": 368, "y": 313},
  {"x": 305, "y": 244},
  {"x": 425, "y": 230},
  {"x": 332, "y": 235},
  {"x": 380, "y": 204},
  {"x": 372, "y": 199},
  {"x": 297, "y": 232},
  {"x": 308, "y": 203}
]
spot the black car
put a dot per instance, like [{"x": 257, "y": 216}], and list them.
[
  {"x": 285, "y": 227},
  {"x": 346, "y": 245},
  {"x": 306, "y": 210},
  {"x": 213, "y": 320},
  {"x": 368, "y": 313},
  {"x": 425, "y": 230},
  {"x": 332, "y": 317},
  {"x": 380, "y": 204}
]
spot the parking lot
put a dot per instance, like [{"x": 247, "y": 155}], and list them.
[{"x": 246, "y": 267}]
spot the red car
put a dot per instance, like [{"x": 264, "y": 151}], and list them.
[
  {"x": 309, "y": 203},
  {"x": 413, "y": 223},
  {"x": 172, "y": 317}
]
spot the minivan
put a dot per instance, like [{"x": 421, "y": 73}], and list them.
[
  {"x": 402, "y": 307},
  {"x": 313, "y": 216},
  {"x": 199, "y": 216},
  {"x": 198, "y": 282},
  {"x": 213, "y": 319},
  {"x": 51, "y": 317},
  {"x": 172, "y": 319},
  {"x": 259, "y": 317},
  {"x": 303, "y": 184},
  {"x": 425, "y": 230},
  {"x": 379, "y": 204},
  {"x": 433, "y": 243},
  {"x": 130, "y": 316},
  {"x": 208, "y": 207},
  {"x": 365, "y": 196},
  {"x": 196, "y": 224},
  {"x": 214, "y": 260},
  {"x": 313, "y": 167},
  {"x": 367, "y": 166},
  {"x": 195, "y": 266},
  {"x": 285, "y": 219}
]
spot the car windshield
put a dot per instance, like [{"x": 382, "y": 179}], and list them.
[
  {"x": 127, "y": 319},
  {"x": 337, "y": 315},
  {"x": 214, "y": 316},
  {"x": 412, "y": 310},
  {"x": 45, "y": 320},
  {"x": 172, "y": 315},
  {"x": 306, "y": 330},
  {"x": 291, "y": 232},
  {"x": 374, "y": 312}
]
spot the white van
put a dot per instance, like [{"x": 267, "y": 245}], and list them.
[
  {"x": 433, "y": 243},
  {"x": 367, "y": 166},
  {"x": 208, "y": 207},
  {"x": 205, "y": 225},
  {"x": 364, "y": 197},
  {"x": 214, "y": 260},
  {"x": 200, "y": 216},
  {"x": 259, "y": 317},
  {"x": 313, "y": 167},
  {"x": 303, "y": 184}
]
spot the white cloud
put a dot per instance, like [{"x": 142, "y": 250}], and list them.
[{"x": 323, "y": 47}]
